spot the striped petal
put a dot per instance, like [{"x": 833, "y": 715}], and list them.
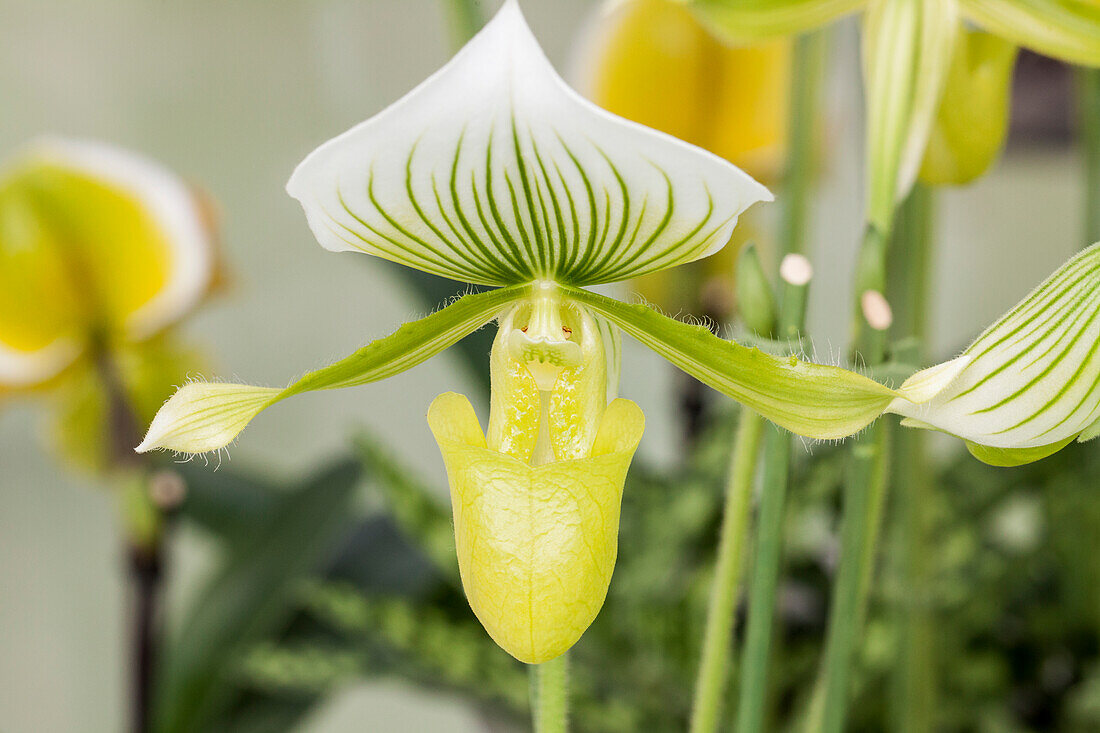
[
  {"x": 907, "y": 46},
  {"x": 493, "y": 171},
  {"x": 812, "y": 400},
  {"x": 1032, "y": 383},
  {"x": 747, "y": 20},
  {"x": 1065, "y": 29},
  {"x": 205, "y": 416}
]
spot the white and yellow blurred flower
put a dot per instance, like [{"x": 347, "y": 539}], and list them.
[{"x": 101, "y": 251}]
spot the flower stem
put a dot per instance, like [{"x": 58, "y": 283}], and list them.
[
  {"x": 1088, "y": 106},
  {"x": 464, "y": 20},
  {"x": 753, "y": 693},
  {"x": 914, "y": 679},
  {"x": 549, "y": 695},
  {"x": 714, "y": 665},
  {"x": 142, "y": 523},
  {"x": 862, "y": 499},
  {"x": 807, "y": 73}
]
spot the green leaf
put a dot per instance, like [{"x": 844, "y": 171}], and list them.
[
  {"x": 248, "y": 599},
  {"x": 206, "y": 416},
  {"x": 1032, "y": 382},
  {"x": 424, "y": 517},
  {"x": 907, "y": 47},
  {"x": 517, "y": 179},
  {"x": 1065, "y": 29},
  {"x": 809, "y": 399},
  {"x": 750, "y": 20}
]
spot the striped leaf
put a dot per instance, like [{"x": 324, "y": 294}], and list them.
[
  {"x": 1065, "y": 29},
  {"x": 207, "y": 416},
  {"x": 749, "y": 20},
  {"x": 494, "y": 172},
  {"x": 1032, "y": 383}
]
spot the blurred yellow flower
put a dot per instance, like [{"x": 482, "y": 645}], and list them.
[
  {"x": 651, "y": 61},
  {"x": 100, "y": 251},
  {"x": 96, "y": 244}
]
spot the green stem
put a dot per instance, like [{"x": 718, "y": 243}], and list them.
[
  {"x": 752, "y": 697},
  {"x": 549, "y": 695},
  {"x": 464, "y": 20},
  {"x": 143, "y": 527},
  {"x": 807, "y": 73},
  {"x": 914, "y": 689},
  {"x": 1088, "y": 104},
  {"x": 714, "y": 664},
  {"x": 861, "y": 495}
]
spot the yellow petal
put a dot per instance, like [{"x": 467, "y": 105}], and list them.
[
  {"x": 41, "y": 311},
  {"x": 536, "y": 545}
]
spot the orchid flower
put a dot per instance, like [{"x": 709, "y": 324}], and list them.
[
  {"x": 917, "y": 55},
  {"x": 494, "y": 172},
  {"x": 101, "y": 251}
]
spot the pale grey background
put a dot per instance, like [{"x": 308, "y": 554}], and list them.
[{"x": 233, "y": 94}]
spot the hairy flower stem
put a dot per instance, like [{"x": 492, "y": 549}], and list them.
[
  {"x": 865, "y": 489},
  {"x": 1088, "y": 108},
  {"x": 862, "y": 491},
  {"x": 753, "y": 693},
  {"x": 914, "y": 691},
  {"x": 807, "y": 73},
  {"x": 549, "y": 695},
  {"x": 714, "y": 664}
]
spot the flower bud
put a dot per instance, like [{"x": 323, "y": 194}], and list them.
[{"x": 972, "y": 119}]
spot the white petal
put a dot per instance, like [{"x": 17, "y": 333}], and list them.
[
  {"x": 169, "y": 202},
  {"x": 493, "y": 171},
  {"x": 205, "y": 416},
  {"x": 1034, "y": 376},
  {"x": 25, "y": 368}
]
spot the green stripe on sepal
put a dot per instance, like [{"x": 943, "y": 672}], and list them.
[
  {"x": 1033, "y": 380},
  {"x": 519, "y": 179},
  {"x": 1065, "y": 29},
  {"x": 749, "y": 20},
  {"x": 207, "y": 416},
  {"x": 809, "y": 399}
]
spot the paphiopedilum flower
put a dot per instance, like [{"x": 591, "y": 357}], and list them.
[
  {"x": 908, "y": 50},
  {"x": 494, "y": 172},
  {"x": 101, "y": 250}
]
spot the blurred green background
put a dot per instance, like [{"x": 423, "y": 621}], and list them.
[{"x": 232, "y": 95}]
